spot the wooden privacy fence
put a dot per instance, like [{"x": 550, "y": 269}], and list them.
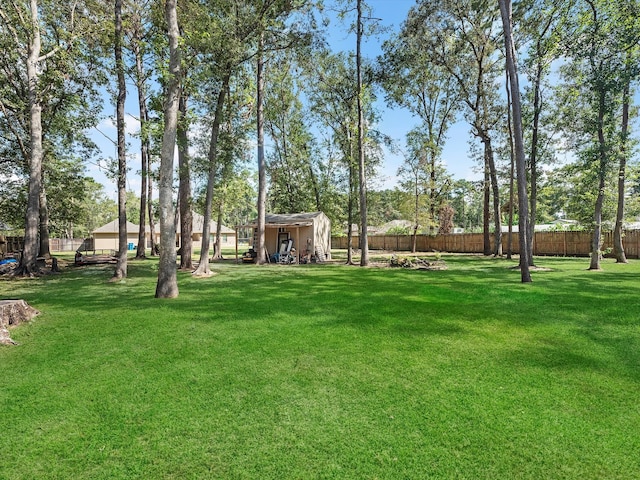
[
  {"x": 11, "y": 244},
  {"x": 545, "y": 243},
  {"x": 69, "y": 244}
]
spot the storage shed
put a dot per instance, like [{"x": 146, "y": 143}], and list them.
[{"x": 310, "y": 232}]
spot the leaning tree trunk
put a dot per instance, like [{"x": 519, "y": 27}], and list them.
[
  {"x": 618, "y": 247},
  {"x": 184, "y": 189},
  {"x": 28, "y": 262},
  {"x": 121, "y": 265},
  {"x": 167, "y": 286},
  {"x": 505, "y": 10},
  {"x": 203, "y": 265}
]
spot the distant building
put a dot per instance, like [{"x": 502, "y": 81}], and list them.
[
  {"x": 106, "y": 236},
  {"x": 310, "y": 232}
]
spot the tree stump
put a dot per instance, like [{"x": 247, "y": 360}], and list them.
[{"x": 13, "y": 312}]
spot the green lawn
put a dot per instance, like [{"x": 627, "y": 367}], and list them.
[{"x": 317, "y": 372}]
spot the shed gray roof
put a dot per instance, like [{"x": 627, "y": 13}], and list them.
[{"x": 303, "y": 219}]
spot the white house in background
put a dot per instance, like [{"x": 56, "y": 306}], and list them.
[{"x": 106, "y": 236}]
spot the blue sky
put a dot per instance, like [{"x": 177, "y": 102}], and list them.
[
  {"x": 397, "y": 122},
  {"x": 394, "y": 122}
]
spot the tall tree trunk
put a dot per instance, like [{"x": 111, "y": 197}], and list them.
[
  {"x": 152, "y": 221},
  {"x": 262, "y": 174},
  {"x": 486, "y": 209},
  {"x": 497, "y": 247},
  {"x": 203, "y": 265},
  {"x": 217, "y": 250},
  {"x": 167, "y": 286},
  {"x": 533, "y": 162},
  {"x": 314, "y": 184},
  {"x": 121, "y": 265},
  {"x": 618, "y": 247},
  {"x": 28, "y": 261},
  {"x": 184, "y": 189},
  {"x": 505, "y": 10},
  {"x": 596, "y": 242},
  {"x": 44, "y": 250},
  {"x": 227, "y": 170},
  {"x": 364, "y": 241},
  {"x": 433, "y": 194},
  {"x": 512, "y": 167},
  {"x": 416, "y": 218},
  {"x": 144, "y": 144},
  {"x": 350, "y": 202}
]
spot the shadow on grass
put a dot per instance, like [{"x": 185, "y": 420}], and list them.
[{"x": 575, "y": 319}]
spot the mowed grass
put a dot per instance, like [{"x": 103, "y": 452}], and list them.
[{"x": 326, "y": 372}]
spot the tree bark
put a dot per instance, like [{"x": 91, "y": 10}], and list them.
[
  {"x": 262, "y": 174},
  {"x": 364, "y": 240},
  {"x": 350, "y": 201},
  {"x": 416, "y": 218},
  {"x": 203, "y": 265},
  {"x": 152, "y": 221},
  {"x": 217, "y": 247},
  {"x": 596, "y": 242},
  {"x": 505, "y": 10},
  {"x": 486, "y": 210},
  {"x": 618, "y": 246},
  {"x": 44, "y": 250},
  {"x": 184, "y": 189},
  {"x": 144, "y": 143},
  {"x": 121, "y": 265},
  {"x": 493, "y": 174},
  {"x": 167, "y": 286},
  {"x": 28, "y": 261},
  {"x": 511, "y": 168},
  {"x": 533, "y": 161}
]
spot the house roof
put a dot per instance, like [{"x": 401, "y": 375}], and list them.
[
  {"x": 198, "y": 221},
  {"x": 112, "y": 227},
  {"x": 303, "y": 219}
]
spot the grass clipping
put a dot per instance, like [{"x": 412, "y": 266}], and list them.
[{"x": 416, "y": 263}]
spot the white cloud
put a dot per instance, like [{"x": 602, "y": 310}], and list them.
[{"x": 108, "y": 125}]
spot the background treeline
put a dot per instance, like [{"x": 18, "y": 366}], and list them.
[{"x": 578, "y": 63}]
